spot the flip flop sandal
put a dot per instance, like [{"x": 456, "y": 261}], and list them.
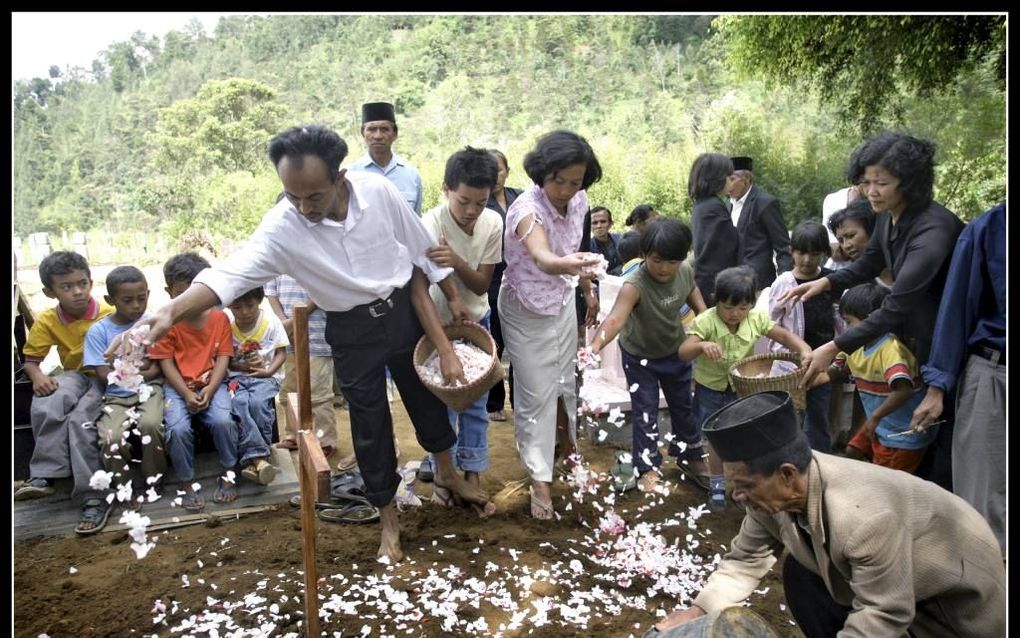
[
  {"x": 295, "y": 501},
  {"x": 548, "y": 513},
  {"x": 357, "y": 513},
  {"x": 224, "y": 490},
  {"x": 95, "y": 511},
  {"x": 287, "y": 444},
  {"x": 192, "y": 502},
  {"x": 348, "y": 462},
  {"x": 442, "y": 496}
]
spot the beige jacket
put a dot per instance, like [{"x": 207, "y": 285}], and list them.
[{"x": 901, "y": 552}]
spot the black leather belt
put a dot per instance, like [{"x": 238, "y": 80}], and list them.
[
  {"x": 991, "y": 354},
  {"x": 378, "y": 308}
]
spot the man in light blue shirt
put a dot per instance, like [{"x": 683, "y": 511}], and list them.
[{"x": 379, "y": 130}]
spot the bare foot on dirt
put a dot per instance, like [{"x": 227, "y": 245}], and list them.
[
  {"x": 389, "y": 543},
  {"x": 452, "y": 480},
  {"x": 648, "y": 481},
  {"x": 489, "y": 508}
]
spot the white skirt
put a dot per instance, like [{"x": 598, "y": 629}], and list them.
[{"x": 543, "y": 353}]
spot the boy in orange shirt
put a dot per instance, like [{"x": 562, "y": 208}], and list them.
[
  {"x": 193, "y": 356},
  {"x": 63, "y": 406}
]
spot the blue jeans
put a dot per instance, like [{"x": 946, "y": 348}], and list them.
[
  {"x": 707, "y": 401},
  {"x": 816, "y": 418},
  {"x": 180, "y": 440},
  {"x": 471, "y": 452},
  {"x": 253, "y": 407},
  {"x": 674, "y": 375}
]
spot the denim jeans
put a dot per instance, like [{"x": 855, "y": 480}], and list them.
[
  {"x": 707, "y": 401},
  {"x": 816, "y": 418},
  {"x": 674, "y": 375},
  {"x": 180, "y": 439},
  {"x": 252, "y": 405},
  {"x": 471, "y": 452}
]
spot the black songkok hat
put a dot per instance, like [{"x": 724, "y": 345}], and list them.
[
  {"x": 741, "y": 163},
  {"x": 375, "y": 111},
  {"x": 752, "y": 426}
]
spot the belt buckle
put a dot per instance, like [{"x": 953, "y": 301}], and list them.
[{"x": 379, "y": 308}]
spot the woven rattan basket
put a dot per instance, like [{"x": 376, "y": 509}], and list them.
[
  {"x": 460, "y": 397},
  {"x": 745, "y": 383}
]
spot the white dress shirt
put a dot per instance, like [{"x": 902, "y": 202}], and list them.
[
  {"x": 738, "y": 205},
  {"x": 341, "y": 264}
]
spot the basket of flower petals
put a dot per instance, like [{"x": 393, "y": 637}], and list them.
[
  {"x": 773, "y": 371},
  {"x": 475, "y": 349}
]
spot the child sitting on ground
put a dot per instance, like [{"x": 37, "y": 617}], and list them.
[
  {"x": 721, "y": 336},
  {"x": 193, "y": 356},
  {"x": 816, "y": 320},
  {"x": 470, "y": 241},
  {"x": 645, "y": 315},
  {"x": 260, "y": 348},
  {"x": 125, "y": 411},
  {"x": 63, "y": 405},
  {"x": 888, "y": 380}
]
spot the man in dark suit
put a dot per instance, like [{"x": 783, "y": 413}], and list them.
[{"x": 759, "y": 224}]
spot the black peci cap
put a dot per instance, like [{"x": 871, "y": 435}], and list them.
[
  {"x": 752, "y": 426},
  {"x": 375, "y": 111},
  {"x": 741, "y": 163}
]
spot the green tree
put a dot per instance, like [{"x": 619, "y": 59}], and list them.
[{"x": 864, "y": 65}]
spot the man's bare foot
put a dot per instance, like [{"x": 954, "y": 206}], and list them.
[
  {"x": 389, "y": 543},
  {"x": 489, "y": 508},
  {"x": 448, "y": 477}
]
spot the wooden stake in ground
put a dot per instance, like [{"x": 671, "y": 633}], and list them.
[{"x": 313, "y": 469}]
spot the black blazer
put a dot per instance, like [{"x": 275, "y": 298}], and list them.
[
  {"x": 763, "y": 233},
  {"x": 716, "y": 244},
  {"x": 918, "y": 251},
  {"x": 497, "y": 272}
]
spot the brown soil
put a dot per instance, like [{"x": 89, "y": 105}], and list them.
[{"x": 112, "y": 593}]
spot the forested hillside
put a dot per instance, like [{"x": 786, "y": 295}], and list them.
[{"x": 170, "y": 132}]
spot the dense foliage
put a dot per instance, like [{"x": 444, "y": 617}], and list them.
[{"x": 170, "y": 132}]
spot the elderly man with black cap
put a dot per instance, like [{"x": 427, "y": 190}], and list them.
[
  {"x": 872, "y": 551},
  {"x": 379, "y": 129},
  {"x": 759, "y": 224}
]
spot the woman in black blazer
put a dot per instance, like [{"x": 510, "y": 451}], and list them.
[{"x": 716, "y": 243}]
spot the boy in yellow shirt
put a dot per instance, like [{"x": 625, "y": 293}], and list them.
[{"x": 63, "y": 406}]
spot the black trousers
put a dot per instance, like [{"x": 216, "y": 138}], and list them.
[
  {"x": 363, "y": 347},
  {"x": 816, "y": 613},
  {"x": 497, "y": 395}
]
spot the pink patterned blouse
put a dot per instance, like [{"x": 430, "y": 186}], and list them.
[{"x": 542, "y": 293}]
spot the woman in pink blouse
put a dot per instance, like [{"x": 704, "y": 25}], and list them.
[{"x": 536, "y": 302}]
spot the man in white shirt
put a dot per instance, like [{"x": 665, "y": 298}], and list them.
[
  {"x": 379, "y": 130},
  {"x": 355, "y": 245}
]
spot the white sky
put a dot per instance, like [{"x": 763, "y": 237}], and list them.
[{"x": 39, "y": 40}]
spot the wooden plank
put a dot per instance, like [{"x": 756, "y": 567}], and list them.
[{"x": 313, "y": 469}]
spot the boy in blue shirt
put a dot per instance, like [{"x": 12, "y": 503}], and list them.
[{"x": 128, "y": 410}]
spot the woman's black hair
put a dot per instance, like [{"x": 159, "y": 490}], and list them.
[
  {"x": 810, "y": 237},
  {"x": 708, "y": 175},
  {"x": 314, "y": 139},
  {"x": 641, "y": 213},
  {"x": 666, "y": 238},
  {"x": 736, "y": 285},
  {"x": 910, "y": 159},
  {"x": 863, "y": 299},
  {"x": 859, "y": 211},
  {"x": 556, "y": 151}
]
